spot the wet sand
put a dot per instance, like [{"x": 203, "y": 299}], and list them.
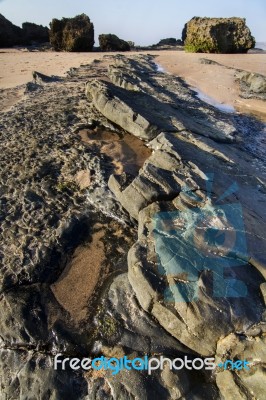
[
  {"x": 216, "y": 81},
  {"x": 78, "y": 281},
  {"x": 213, "y": 80},
  {"x": 127, "y": 153}
]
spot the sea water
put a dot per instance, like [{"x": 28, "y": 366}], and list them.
[
  {"x": 261, "y": 45},
  {"x": 210, "y": 100}
]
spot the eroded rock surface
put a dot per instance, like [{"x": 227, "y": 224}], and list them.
[
  {"x": 109, "y": 42},
  {"x": 166, "y": 258},
  {"x": 217, "y": 35},
  {"x": 252, "y": 85},
  {"x": 72, "y": 34},
  {"x": 154, "y": 107}
]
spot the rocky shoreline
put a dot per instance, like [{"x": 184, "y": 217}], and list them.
[{"x": 69, "y": 200}]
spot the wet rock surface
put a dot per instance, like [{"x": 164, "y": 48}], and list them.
[
  {"x": 132, "y": 222},
  {"x": 217, "y": 35},
  {"x": 252, "y": 85}
]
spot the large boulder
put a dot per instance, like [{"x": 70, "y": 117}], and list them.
[
  {"x": 72, "y": 34},
  {"x": 35, "y": 33},
  {"x": 10, "y": 35},
  {"x": 217, "y": 35},
  {"x": 111, "y": 42}
]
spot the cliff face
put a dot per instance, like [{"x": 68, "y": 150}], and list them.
[
  {"x": 12, "y": 35},
  {"x": 217, "y": 35},
  {"x": 72, "y": 34}
]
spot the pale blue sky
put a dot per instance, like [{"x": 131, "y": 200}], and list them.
[{"x": 142, "y": 21}]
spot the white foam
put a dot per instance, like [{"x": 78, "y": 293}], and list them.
[
  {"x": 209, "y": 100},
  {"x": 159, "y": 68}
]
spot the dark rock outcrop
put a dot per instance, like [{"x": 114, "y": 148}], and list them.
[
  {"x": 72, "y": 34},
  {"x": 12, "y": 35},
  {"x": 217, "y": 35},
  {"x": 170, "y": 42},
  {"x": 111, "y": 42},
  {"x": 35, "y": 33}
]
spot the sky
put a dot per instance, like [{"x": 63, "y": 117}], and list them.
[{"x": 144, "y": 22}]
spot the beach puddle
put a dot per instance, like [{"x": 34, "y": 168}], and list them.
[
  {"x": 127, "y": 152},
  {"x": 91, "y": 267},
  {"x": 79, "y": 279},
  {"x": 227, "y": 108}
]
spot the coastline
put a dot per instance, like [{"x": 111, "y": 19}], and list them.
[
  {"x": 214, "y": 81},
  {"x": 218, "y": 81},
  {"x": 86, "y": 271}
]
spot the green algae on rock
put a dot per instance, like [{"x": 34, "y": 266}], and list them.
[
  {"x": 72, "y": 34},
  {"x": 217, "y": 35}
]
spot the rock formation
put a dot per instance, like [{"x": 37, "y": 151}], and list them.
[
  {"x": 169, "y": 42},
  {"x": 12, "y": 35},
  {"x": 109, "y": 42},
  {"x": 181, "y": 240},
  {"x": 217, "y": 35},
  {"x": 35, "y": 33},
  {"x": 252, "y": 85},
  {"x": 72, "y": 34}
]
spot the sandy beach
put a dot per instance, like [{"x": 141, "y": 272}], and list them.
[{"x": 215, "y": 81}]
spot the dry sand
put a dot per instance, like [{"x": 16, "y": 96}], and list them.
[{"x": 214, "y": 81}]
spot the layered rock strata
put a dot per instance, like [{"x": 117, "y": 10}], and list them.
[{"x": 183, "y": 237}]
